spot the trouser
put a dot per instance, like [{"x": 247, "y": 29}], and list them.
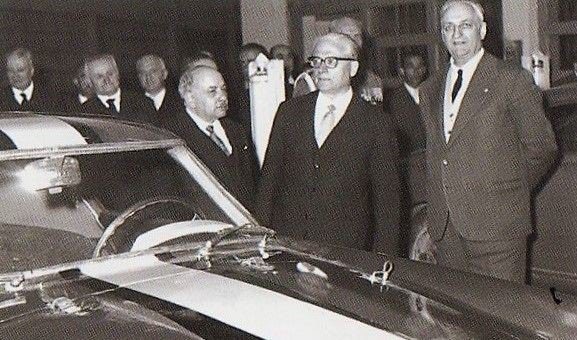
[{"x": 503, "y": 259}]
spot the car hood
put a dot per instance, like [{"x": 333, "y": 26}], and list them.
[{"x": 285, "y": 290}]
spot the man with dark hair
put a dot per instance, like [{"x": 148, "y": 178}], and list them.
[
  {"x": 284, "y": 52},
  {"x": 488, "y": 146},
  {"x": 218, "y": 141},
  {"x": 23, "y": 94},
  {"x": 110, "y": 99},
  {"x": 158, "y": 101},
  {"x": 330, "y": 170}
]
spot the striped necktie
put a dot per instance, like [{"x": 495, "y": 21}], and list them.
[{"x": 217, "y": 140}]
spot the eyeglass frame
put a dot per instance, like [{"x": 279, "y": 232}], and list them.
[{"x": 311, "y": 59}]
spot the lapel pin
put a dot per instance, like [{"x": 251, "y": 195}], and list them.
[
  {"x": 486, "y": 90},
  {"x": 245, "y": 147}
]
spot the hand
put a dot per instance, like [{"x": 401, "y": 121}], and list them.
[{"x": 373, "y": 95}]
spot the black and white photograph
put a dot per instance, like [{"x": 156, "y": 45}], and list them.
[{"x": 288, "y": 169}]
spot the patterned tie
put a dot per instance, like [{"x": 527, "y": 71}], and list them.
[
  {"x": 217, "y": 140},
  {"x": 457, "y": 85},
  {"x": 111, "y": 106},
  {"x": 326, "y": 125}
]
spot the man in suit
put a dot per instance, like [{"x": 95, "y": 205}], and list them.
[
  {"x": 23, "y": 94},
  {"x": 218, "y": 141},
  {"x": 404, "y": 105},
  {"x": 488, "y": 146},
  {"x": 330, "y": 171},
  {"x": 83, "y": 92},
  {"x": 158, "y": 102},
  {"x": 110, "y": 99},
  {"x": 285, "y": 53}
]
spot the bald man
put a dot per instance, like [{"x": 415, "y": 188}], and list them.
[
  {"x": 159, "y": 102},
  {"x": 330, "y": 171},
  {"x": 217, "y": 140}
]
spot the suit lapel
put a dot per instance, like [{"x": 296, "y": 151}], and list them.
[
  {"x": 476, "y": 95},
  {"x": 438, "y": 101},
  {"x": 340, "y": 124}
]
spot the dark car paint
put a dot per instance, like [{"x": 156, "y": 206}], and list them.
[{"x": 418, "y": 301}]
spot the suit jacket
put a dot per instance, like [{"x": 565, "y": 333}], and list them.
[
  {"x": 41, "y": 101},
  {"x": 407, "y": 117},
  {"x": 345, "y": 193},
  {"x": 500, "y": 147},
  {"x": 131, "y": 106},
  {"x": 236, "y": 172},
  {"x": 171, "y": 104}
]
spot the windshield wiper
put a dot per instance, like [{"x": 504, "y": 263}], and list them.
[{"x": 204, "y": 252}]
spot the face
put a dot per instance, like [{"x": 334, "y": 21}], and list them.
[
  {"x": 83, "y": 83},
  {"x": 284, "y": 53},
  {"x": 333, "y": 80},
  {"x": 151, "y": 75},
  {"x": 104, "y": 77},
  {"x": 245, "y": 58},
  {"x": 19, "y": 72},
  {"x": 463, "y": 32},
  {"x": 207, "y": 97},
  {"x": 414, "y": 71}
]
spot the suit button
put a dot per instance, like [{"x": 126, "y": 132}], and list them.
[{"x": 445, "y": 162}]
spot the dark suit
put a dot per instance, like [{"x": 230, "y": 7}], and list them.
[
  {"x": 345, "y": 193},
  {"x": 236, "y": 172},
  {"x": 407, "y": 116},
  {"x": 500, "y": 147},
  {"x": 171, "y": 104},
  {"x": 41, "y": 101},
  {"x": 131, "y": 106}
]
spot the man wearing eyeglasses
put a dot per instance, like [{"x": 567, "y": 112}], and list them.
[
  {"x": 330, "y": 171},
  {"x": 488, "y": 146}
]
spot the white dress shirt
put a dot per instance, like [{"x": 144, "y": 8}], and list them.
[
  {"x": 82, "y": 98},
  {"x": 157, "y": 98},
  {"x": 115, "y": 96},
  {"x": 451, "y": 109},
  {"x": 218, "y": 129},
  {"x": 27, "y": 92},
  {"x": 414, "y": 92},
  {"x": 341, "y": 103}
]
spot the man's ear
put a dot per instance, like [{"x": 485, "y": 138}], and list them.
[
  {"x": 401, "y": 72},
  {"x": 483, "y": 30},
  {"x": 354, "y": 68}
]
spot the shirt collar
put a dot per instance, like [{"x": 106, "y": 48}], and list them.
[
  {"x": 201, "y": 122},
  {"x": 340, "y": 101},
  {"x": 413, "y": 92},
  {"x": 28, "y": 91},
  {"x": 470, "y": 66},
  {"x": 115, "y": 96}
]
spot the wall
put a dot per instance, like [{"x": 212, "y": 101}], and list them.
[
  {"x": 520, "y": 23},
  {"x": 264, "y": 22}
]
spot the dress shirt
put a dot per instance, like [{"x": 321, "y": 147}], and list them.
[
  {"x": 116, "y": 98},
  {"x": 340, "y": 101},
  {"x": 82, "y": 98},
  {"x": 27, "y": 92},
  {"x": 157, "y": 98},
  {"x": 414, "y": 92},
  {"x": 218, "y": 129},
  {"x": 451, "y": 109}
]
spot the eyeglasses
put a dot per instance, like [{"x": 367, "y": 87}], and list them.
[{"x": 330, "y": 62}]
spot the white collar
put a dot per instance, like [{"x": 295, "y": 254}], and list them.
[
  {"x": 413, "y": 92},
  {"x": 115, "y": 96},
  {"x": 27, "y": 91},
  {"x": 470, "y": 66},
  {"x": 202, "y": 124},
  {"x": 157, "y": 98}
]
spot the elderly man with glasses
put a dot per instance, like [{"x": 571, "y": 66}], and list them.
[{"x": 330, "y": 171}]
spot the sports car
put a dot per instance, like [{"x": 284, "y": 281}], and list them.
[{"x": 115, "y": 230}]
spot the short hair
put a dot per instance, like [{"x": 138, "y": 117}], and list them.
[
  {"x": 278, "y": 46},
  {"x": 100, "y": 57},
  {"x": 342, "y": 40},
  {"x": 188, "y": 77},
  {"x": 21, "y": 53},
  {"x": 253, "y": 47},
  {"x": 477, "y": 8},
  {"x": 153, "y": 57},
  {"x": 336, "y": 25},
  {"x": 200, "y": 55}
]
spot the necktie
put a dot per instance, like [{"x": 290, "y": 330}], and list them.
[
  {"x": 25, "y": 103},
  {"x": 217, "y": 140},
  {"x": 111, "y": 107},
  {"x": 326, "y": 125},
  {"x": 457, "y": 85}
]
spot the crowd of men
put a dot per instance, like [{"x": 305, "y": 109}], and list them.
[{"x": 332, "y": 170}]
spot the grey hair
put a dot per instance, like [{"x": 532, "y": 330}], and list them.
[
  {"x": 336, "y": 25},
  {"x": 477, "y": 8},
  {"x": 152, "y": 57},
  {"x": 188, "y": 77},
  {"x": 21, "y": 53},
  {"x": 100, "y": 57},
  {"x": 342, "y": 40}
]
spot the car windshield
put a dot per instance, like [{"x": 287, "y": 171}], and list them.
[{"x": 56, "y": 208}]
